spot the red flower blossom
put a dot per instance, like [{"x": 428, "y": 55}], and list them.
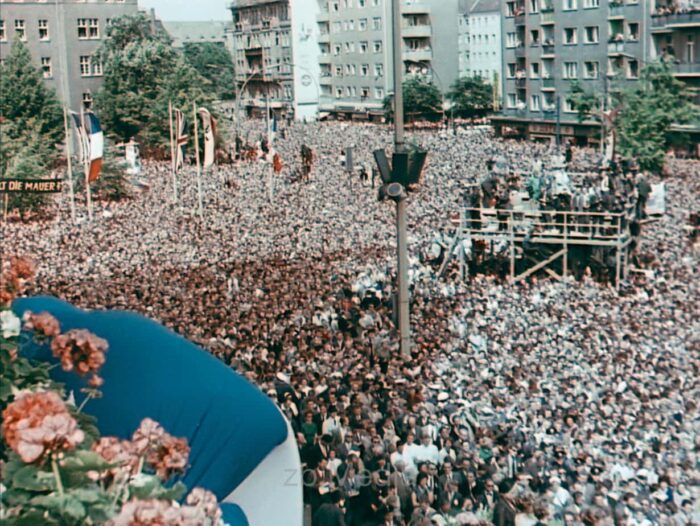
[
  {"x": 169, "y": 457},
  {"x": 37, "y": 424},
  {"x": 80, "y": 350},
  {"x": 43, "y": 323},
  {"x": 119, "y": 452},
  {"x": 148, "y": 513}
]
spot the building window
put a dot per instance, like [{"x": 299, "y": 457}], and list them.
[
  {"x": 377, "y": 46},
  {"x": 569, "y": 5},
  {"x": 632, "y": 69},
  {"x": 362, "y": 24},
  {"x": 88, "y": 28},
  {"x": 46, "y": 70},
  {"x": 377, "y": 23},
  {"x": 511, "y": 70},
  {"x": 379, "y": 93},
  {"x": 363, "y": 47},
  {"x": 569, "y": 36},
  {"x": 633, "y": 31},
  {"x": 534, "y": 70},
  {"x": 569, "y": 106},
  {"x": 361, "y": 3},
  {"x": 3, "y": 36},
  {"x": 336, "y": 49},
  {"x": 535, "y": 37},
  {"x": 534, "y": 6},
  {"x": 535, "y": 103},
  {"x": 339, "y": 71},
  {"x": 570, "y": 70},
  {"x": 588, "y": 4},
  {"x": 375, "y": 3},
  {"x": 335, "y": 6},
  {"x": 364, "y": 70},
  {"x": 378, "y": 70},
  {"x": 97, "y": 69},
  {"x": 84, "y": 66},
  {"x": 364, "y": 93},
  {"x": 511, "y": 40},
  {"x": 338, "y": 93},
  {"x": 591, "y": 70},
  {"x": 87, "y": 99},
  {"x": 512, "y": 100},
  {"x": 43, "y": 30},
  {"x": 20, "y": 30},
  {"x": 592, "y": 34}
]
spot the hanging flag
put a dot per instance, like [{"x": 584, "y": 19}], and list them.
[
  {"x": 83, "y": 139},
  {"x": 96, "y": 141},
  {"x": 180, "y": 139},
  {"x": 209, "y": 130}
]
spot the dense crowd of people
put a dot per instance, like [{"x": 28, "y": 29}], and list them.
[{"x": 541, "y": 402}]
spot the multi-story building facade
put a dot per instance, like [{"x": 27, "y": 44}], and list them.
[
  {"x": 675, "y": 38},
  {"x": 356, "y": 56},
  {"x": 480, "y": 40},
  {"x": 275, "y": 53},
  {"x": 62, "y": 37},
  {"x": 548, "y": 45},
  {"x": 196, "y": 32}
]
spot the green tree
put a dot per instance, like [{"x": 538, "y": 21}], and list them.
[
  {"x": 421, "y": 99},
  {"x": 25, "y": 98},
  {"x": 213, "y": 62},
  {"x": 641, "y": 116},
  {"x": 143, "y": 72},
  {"x": 471, "y": 97},
  {"x": 31, "y": 123}
]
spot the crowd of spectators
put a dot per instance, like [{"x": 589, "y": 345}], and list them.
[{"x": 541, "y": 402}]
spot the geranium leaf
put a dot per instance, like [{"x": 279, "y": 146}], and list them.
[{"x": 32, "y": 479}]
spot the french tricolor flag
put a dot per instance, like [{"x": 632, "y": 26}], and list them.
[{"x": 97, "y": 144}]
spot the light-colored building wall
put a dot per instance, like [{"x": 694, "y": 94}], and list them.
[
  {"x": 485, "y": 55},
  {"x": 62, "y": 36}
]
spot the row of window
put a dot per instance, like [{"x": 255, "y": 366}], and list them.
[
  {"x": 88, "y": 67},
  {"x": 334, "y": 6},
  {"x": 364, "y": 92},
  {"x": 570, "y": 70},
  {"x": 361, "y": 47},
  {"x": 88, "y": 29},
  {"x": 349, "y": 25},
  {"x": 364, "y": 70},
  {"x": 591, "y": 35},
  {"x": 545, "y": 102},
  {"x": 516, "y": 8}
]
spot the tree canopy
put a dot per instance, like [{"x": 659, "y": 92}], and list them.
[
  {"x": 421, "y": 99},
  {"x": 143, "y": 73},
  {"x": 31, "y": 123},
  {"x": 471, "y": 97},
  {"x": 642, "y": 116},
  {"x": 213, "y": 62}
]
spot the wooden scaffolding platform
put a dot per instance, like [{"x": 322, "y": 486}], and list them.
[{"x": 525, "y": 233}]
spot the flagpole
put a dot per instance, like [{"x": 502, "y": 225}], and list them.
[
  {"x": 87, "y": 166},
  {"x": 173, "y": 161},
  {"x": 271, "y": 181},
  {"x": 69, "y": 161},
  {"x": 196, "y": 155}
]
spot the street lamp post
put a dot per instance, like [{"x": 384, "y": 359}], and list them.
[{"x": 401, "y": 227}]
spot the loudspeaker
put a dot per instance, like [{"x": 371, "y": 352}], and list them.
[{"x": 383, "y": 165}]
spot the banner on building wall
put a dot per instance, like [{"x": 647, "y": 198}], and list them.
[{"x": 305, "y": 68}]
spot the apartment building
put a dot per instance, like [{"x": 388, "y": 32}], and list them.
[
  {"x": 480, "y": 53},
  {"x": 548, "y": 44},
  {"x": 675, "y": 38},
  {"x": 62, "y": 36},
  {"x": 275, "y": 52},
  {"x": 355, "y": 43}
]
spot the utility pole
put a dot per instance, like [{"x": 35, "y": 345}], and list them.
[
  {"x": 558, "y": 123},
  {"x": 401, "y": 228}
]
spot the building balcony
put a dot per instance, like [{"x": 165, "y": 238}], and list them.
[
  {"x": 323, "y": 16},
  {"x": 548, "y": 84},
  {"x": 616, "y": 11},
  {"x": 520, "y": 51},
  {"x": 521, "y": 82},
  {"x": 415, "y": 9},
  {"x": 547, "y": 18},
  {"x": 422, "y": 31},
  {"x": 324, "y": 38},
  {"x": 324, "y": 58},
  {"x": 418, "y": 55},
  {"x": 547, "y": 50},
  {"x": 675, "y": 21},
  {"x": 520, "y": 19},
  {"x": 686, "y": 69},
  {"x": 616, "y": 48},
  {"x": 326, "y": 80}
]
